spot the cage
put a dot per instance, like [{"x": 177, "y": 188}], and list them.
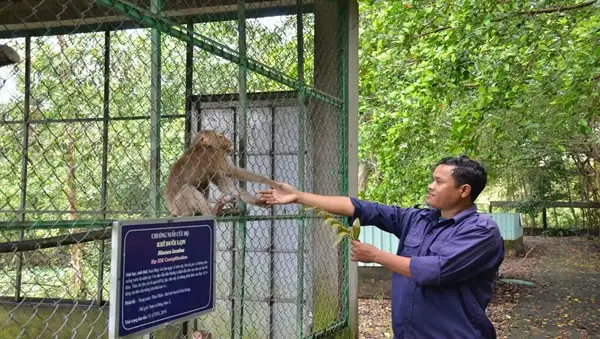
[{"x": 107, "y": 94}]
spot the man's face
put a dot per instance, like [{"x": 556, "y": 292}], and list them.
[{"x": 443, "y": 192}]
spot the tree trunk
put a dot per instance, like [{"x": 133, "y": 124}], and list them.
[
  {"x": 570, "y": 197},
  {"x": 76, "y": 250},
  {"x": 363, "y": 175}
]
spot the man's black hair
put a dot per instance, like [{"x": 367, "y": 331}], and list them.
[{"x": 467, "y": 171}]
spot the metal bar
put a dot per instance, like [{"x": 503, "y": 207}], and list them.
[
  {"x": 54, "y": 241},
  {"x": 60, "y": 224},
  {"x": 213, "y": 47},
  {"x": 92, "y": 212},
  {"x": 99, "y": 119},
  {"x": 242, "y": 138},
  {"x": 189, "y": 83},
  {"x": 155, "y": 112},
  {"x": 265, "y": 250},
  {"x": 343, "y": 127},
  {"x": 272, "y": 230},
  {"x": 24, "y": 161},
  {"x": 234, "y": 241},
  {"x": 75, "y": 238},
  {"x": 301, "y": 170},
  {"x": 62, "y": 27},
  {"x": 104, "y": 188},
  {"x": 189, "y": 73},
  {"x": 155, "y": 117},
  {"x": 220, "y": 100},
  {"x": 89, "y": 304}
]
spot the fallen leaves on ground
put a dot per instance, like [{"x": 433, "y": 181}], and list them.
[
  {"x": 563, "y": 303},
  {"x": 374, "y": 318}
]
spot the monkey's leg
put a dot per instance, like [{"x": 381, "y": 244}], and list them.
[
  {"x": 190, "y": 200},
  {"x": 227, "y": 186}
]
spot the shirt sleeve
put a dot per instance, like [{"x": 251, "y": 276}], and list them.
[
  {"x": 387, "y": 218},
  {"x": 469, "y": 253}
]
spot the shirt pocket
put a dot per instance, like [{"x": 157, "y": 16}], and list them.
[
  {"x": 411, "y": 246},
  {"x": 438, "y": 243},
  {"x": 436, "y": 247}
]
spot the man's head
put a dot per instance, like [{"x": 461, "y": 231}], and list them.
[{"x": 456, "y": 181}]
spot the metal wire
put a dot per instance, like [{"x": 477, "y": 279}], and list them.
[{"x": 106, "y": 98}]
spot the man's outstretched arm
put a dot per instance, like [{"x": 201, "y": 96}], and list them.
[
  {"x": 286, "y": 194},
  {"x": 387, "y": 218}
]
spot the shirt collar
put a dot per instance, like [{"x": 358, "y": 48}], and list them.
[{"x": 434, "y": 214}]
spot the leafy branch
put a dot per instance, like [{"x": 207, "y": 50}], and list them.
[
  {"x": 341, "y": 230},
  {"x": 520, "y": 13}
]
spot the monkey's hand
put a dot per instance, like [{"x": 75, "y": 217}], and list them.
[
  {"x": 283, "y": 193},
  {"x": 222, "y": 202}
]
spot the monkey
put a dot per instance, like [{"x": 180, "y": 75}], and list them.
[
  {"x": 203, "y": 162},
  {"x": 8, "y": 56}
]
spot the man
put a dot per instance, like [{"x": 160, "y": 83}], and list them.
[{"x": 447, "y": 259}]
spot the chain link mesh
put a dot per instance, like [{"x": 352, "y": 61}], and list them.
[{"x": 81, "y": 145}]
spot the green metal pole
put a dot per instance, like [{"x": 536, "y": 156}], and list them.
[
  {"x": 189, "y": 83},
  {"x": 24, "y": 161},
  {"x": 155, "y": 112},
  {"x": 343, "y": 127},
  {"x": 103, "y": 188},
  {"x": 301, "y": 170},
  {"x": 242, "y": 133}
]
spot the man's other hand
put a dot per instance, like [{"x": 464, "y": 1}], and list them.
[{"x": 363, "y": 252}]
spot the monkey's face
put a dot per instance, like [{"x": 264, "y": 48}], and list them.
[
  {"x": 224, "y": 143},
  {"x": 216, "y": 140}
]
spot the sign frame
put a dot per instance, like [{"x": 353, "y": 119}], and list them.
[{"x": 118, "y": 227}]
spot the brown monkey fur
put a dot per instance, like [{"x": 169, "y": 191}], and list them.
[{"x": 203, "y": 162}]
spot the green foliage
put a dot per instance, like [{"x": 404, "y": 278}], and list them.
[
  {"x": 531, "y": 206},
  {"x": 560, "y": 232},
  {"x": 497, "y": 81}
]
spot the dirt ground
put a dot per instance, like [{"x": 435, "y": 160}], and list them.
[{"x": 562, "y": 304}]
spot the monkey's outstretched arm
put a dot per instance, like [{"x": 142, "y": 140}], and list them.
[{"x": 244, "y": 175}]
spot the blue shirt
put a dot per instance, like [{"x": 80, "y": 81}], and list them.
[{"x": 453, "y": 265}]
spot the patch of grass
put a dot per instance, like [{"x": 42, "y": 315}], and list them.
[{"x": 34, "y": 321}]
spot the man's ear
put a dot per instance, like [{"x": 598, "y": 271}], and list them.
[{"x": 465, "y": 191}]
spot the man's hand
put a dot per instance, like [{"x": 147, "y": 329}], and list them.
[
  {"x": 281, "y": 194},
  {"x": 363, "y": 252}
]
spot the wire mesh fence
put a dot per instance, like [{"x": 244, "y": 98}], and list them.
[{"x": 108, "y": 95}]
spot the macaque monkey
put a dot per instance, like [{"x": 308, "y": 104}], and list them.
[
  {"x": 8, "y": 56},
  {"x": 205, "y": 161}
]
